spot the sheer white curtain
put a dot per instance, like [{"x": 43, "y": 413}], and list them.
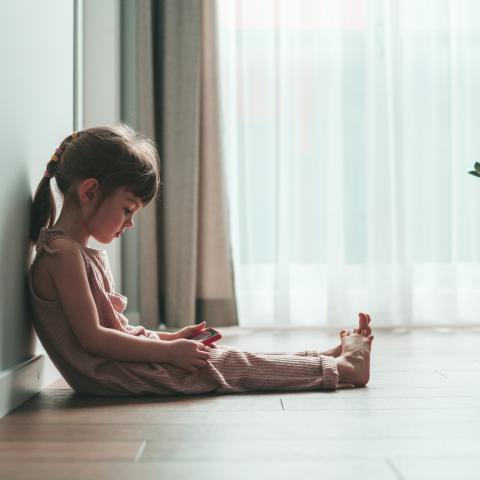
[{"x": 349, "y": 129}]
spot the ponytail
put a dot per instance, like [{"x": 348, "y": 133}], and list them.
[{"x": 43, "y": 209}]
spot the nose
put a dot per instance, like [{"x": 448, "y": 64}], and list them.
[{"x": 129, "y": 223}]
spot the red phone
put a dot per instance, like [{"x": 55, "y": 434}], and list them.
[{"x": 208, "y": 336}]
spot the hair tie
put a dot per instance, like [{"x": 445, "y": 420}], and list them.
[{"x": 59, "y": 152}]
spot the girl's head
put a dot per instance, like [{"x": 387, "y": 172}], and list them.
[{"x": 106, "y": 166}]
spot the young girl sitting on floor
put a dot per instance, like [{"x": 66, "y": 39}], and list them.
[{"x": 107, "y": 174}]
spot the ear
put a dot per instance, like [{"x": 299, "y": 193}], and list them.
[{"x": 88, "y": 190}]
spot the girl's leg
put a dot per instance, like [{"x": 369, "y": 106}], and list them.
[
  {"x": 302, "y": 353},
  {"x": 238, "y": 371},
  {"x": 331, "y": 352},
  {"x": 230, "y": 370}
]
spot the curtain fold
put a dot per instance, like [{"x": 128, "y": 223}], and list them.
[
  {"x": 148, "y": 257},
  {"x": 185, "y": 266}
]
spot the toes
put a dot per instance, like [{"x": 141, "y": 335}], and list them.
[
  {"x": 362, "y": 321},
  {"x": 344, "y": 333},
  {"x": 371, "y": 337},
  {"x": 363, "y": 324},
  {"x": 365, "y": 316}
]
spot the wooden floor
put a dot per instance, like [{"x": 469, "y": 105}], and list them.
[{"x": 419, "y": 418}]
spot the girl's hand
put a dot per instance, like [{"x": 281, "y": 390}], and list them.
[
  {"x": 191, "y": 331},
  {"x": 188, "y": 354}
]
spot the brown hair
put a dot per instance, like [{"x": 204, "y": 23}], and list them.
[{"x": 116, "y": 156}]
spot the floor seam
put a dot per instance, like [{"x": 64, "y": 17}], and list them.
[
  {"x": 140, "y": 451},
  {"x": 394, "y": 469}
]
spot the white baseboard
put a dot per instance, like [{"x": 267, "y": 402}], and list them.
[{"x": 23, "y": 380}]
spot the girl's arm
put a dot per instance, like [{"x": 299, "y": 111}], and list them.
[
  {"x": 117, "y": 345},
  {"x": 186, "y": 332},
  {"x": 167, "y": 336},
  {"x": 162, "y": 335},
  {"x": 68, "y": 272}
]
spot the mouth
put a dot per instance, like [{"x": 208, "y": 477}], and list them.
[{"x": 118, "y": 234}]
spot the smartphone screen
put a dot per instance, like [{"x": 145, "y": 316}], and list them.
[{"x": 208, "y": 335}]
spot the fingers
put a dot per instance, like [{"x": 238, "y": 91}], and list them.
[
  {"x": 200, "y": 363},
  {"x": 197, "y": 364},
  {"x": 203, "y": 355},
  {"x": 193, "y": 330}
]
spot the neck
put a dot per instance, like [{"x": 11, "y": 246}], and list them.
[{"x": 73, "y": 224}]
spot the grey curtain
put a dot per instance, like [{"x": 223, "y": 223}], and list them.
[{"x": 185, "y": 268}]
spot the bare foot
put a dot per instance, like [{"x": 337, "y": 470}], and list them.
[
  {"x": 363, "y": 329},
  {"x": 354, "y": 362}
]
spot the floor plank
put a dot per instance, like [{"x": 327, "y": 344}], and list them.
[
  {"x": 68, "y": 450},
  {"x": 213, "y": 470},
  {"x": 419, "y": 417},
  {"x": 322, "y": 448}
]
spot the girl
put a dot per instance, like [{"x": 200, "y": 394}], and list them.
[{"x": 106, "y": 175}]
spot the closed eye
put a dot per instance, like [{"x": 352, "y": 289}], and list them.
[{"x": 127, "y": 211}]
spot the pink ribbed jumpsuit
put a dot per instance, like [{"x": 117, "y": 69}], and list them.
[{"x": 228, "y": 370}]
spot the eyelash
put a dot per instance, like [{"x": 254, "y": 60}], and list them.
[{"x": 127, "y": 211}]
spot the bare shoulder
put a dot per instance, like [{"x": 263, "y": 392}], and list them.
[
  {"x": 51, "y": 270},
  {"x": 67, "y": 262},
  {"x": 68, "y": 275}
]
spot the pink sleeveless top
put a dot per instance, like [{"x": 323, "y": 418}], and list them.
[{"x": 85, "y": 372}]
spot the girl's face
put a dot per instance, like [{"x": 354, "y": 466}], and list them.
[{"x": 114, "y": 215}]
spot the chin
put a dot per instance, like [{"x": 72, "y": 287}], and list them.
[{"x": 103, "y": 240}]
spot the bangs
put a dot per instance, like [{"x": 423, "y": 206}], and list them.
[
  {"x": 124, "y": 158},
  {"x": 145, "y": 187}
]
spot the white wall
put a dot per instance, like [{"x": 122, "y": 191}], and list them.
[
  {"x": 101, "y": 83},
  {"x": 36, "y": 112},
  {"x": 46, "y": 92}
]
